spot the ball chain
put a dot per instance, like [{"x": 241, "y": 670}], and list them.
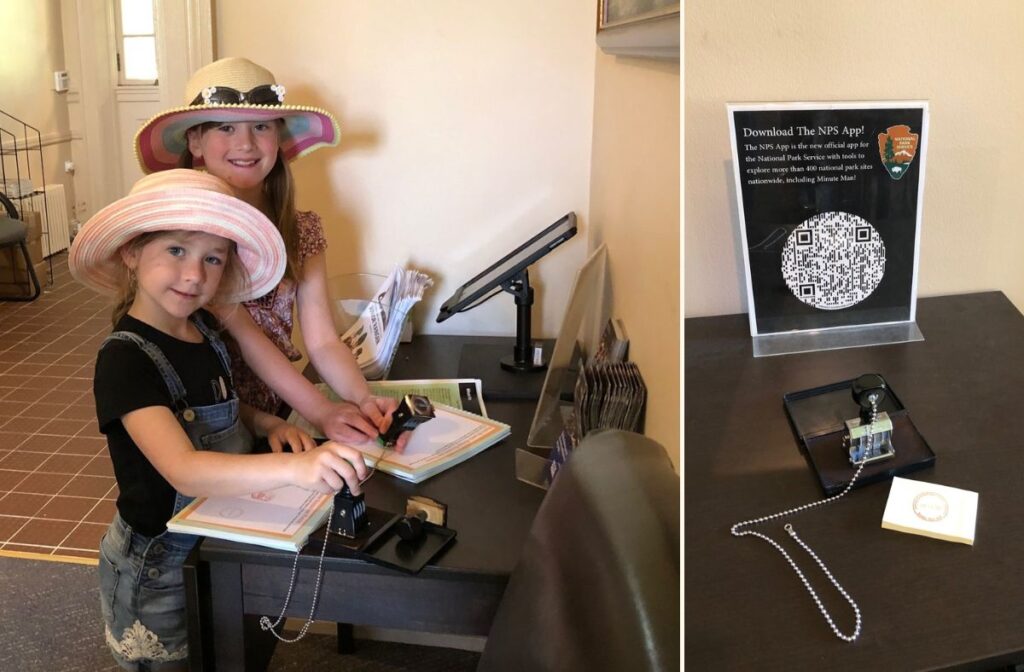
[{"x": 737, "y": 532}]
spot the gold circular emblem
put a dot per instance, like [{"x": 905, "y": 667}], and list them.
[{"x": 930, "y": 506}]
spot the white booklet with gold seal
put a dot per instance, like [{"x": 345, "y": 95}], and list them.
[{"x": 931, "y": 510}]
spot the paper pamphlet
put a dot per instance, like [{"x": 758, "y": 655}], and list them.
[
  {"x": 365, "y": 338},
  {"x": 463, "y": 393},
  {"x": 279, "y": 518},
  {"x": 374, "y": 337},
  {"x": 931, "y": 510},
  {"x": 614, "y": 344}
]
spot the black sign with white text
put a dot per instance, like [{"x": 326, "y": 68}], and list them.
[{"x": 830, "y": 212}]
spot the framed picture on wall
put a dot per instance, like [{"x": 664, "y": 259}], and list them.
[
  {"x": 829, "y": 200},
  {"x": 640, "y": 28}
]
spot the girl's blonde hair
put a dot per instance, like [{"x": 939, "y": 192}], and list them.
[
  {"x": 279, "y": 186},
  {"x": 234, "y": 280}
]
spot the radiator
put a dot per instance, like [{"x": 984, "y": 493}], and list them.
[{"x": 52, "y": 205}]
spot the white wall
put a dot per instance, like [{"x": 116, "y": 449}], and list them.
[
  {"x": 634, "y": 209},
  {"x": 466, "y": 128},
  {"x": 964, "y": 58}
]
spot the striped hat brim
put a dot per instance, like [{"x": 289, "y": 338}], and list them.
[
  {"x": 179, "y": 200},
  {"x": 161, "y": 140}
]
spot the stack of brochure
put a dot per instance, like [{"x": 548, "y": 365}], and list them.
[
  {"x": 610, "y": 394},
  {"x": 374, "y": 337},
  {"x": 614, "y": 344}
]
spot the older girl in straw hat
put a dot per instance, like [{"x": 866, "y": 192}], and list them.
[
  {"x": 164, "y": 394},
  {"x": 236, "y": 126}
]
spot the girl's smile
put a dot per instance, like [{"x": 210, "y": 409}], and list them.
[
  {"x": 242, "y": 153},
  {"x": 188, "y": 296}
]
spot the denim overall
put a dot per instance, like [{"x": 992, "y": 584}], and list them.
[{"x": 142, "y": 594}]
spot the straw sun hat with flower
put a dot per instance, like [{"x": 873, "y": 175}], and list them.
[
  {"x": 179, "y": 200},
  {"x": 232, "y": 89}
]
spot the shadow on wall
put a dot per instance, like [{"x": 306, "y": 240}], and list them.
[
  {"x": 315, "y": 191},
  {"x": 343, "y": 226}
]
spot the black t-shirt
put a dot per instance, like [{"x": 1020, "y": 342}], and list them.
[{"x": 126, "y": 380}]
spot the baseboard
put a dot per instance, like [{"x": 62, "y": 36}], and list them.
[{"x": 463, "y": 642}]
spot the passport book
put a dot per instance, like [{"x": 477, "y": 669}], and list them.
[
  {"x": 451, "y": 437},
  {"x": 280, "y": 517}
]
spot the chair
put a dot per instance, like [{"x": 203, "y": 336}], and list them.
[
  {"x": 597, "y": 586},
  {"x": 13, "y": 232}
]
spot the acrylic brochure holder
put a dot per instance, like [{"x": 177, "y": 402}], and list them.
[
  {"x": 817, "y": 417},
  {"x": 583, "y": 313}
]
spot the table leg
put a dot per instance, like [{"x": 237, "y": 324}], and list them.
[
  {"x": 197, "y": 607},
  {"x": 346, "y": 641},
  {"x": 238, "y": 642}
]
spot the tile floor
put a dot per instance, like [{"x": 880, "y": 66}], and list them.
[{"x": 57, "y": 488}]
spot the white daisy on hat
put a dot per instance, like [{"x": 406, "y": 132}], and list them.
[{"x": 232, "y": 89}]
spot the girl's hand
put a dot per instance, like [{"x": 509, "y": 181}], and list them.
[
  {"x": 379, "y": 410},
  {"x": 345, "y": 422},
  {"x": 285, "y": 434},
  {"x": 329, "y": 466}
]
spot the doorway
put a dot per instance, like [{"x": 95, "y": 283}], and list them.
[{"x": 105, "y": 113}]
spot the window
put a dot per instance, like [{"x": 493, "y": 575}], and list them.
[{"x": 136, "y": 43}]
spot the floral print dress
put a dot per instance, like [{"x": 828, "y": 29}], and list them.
[{"x": 273, "y": 313}]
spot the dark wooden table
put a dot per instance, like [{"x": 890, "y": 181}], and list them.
[
  {"x": 926, "y": 604},
  {"x": 458, "y": 593}
]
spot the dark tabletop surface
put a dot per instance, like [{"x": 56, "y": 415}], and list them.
[
  {"x": 490, "y": 510},
  {"x": 926, "y": 604}
]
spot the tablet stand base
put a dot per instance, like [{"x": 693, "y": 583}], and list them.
[
  {"x": 525, "y": 358},
  {"x": 512, "y": 364},
  {"x": 483, "y": 361}
]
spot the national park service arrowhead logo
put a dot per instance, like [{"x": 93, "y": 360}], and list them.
[{"x": 897, "y": 147}]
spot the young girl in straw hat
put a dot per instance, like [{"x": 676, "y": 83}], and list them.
[
  {"x": 177, "y": 243},
  {"x": 236, "y": 126}
]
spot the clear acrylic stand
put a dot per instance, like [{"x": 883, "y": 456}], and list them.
[
  {"x": 837, "y": 338},
  {"x": 533, "y": 466},
  {"x": 578, "y": 334}
]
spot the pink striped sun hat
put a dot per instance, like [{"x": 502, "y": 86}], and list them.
[
  {"x": 232, "y": 89},
  {"x": 179, "y": 200}
]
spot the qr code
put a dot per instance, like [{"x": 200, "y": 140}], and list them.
[{"x": 833, "y": 260}]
